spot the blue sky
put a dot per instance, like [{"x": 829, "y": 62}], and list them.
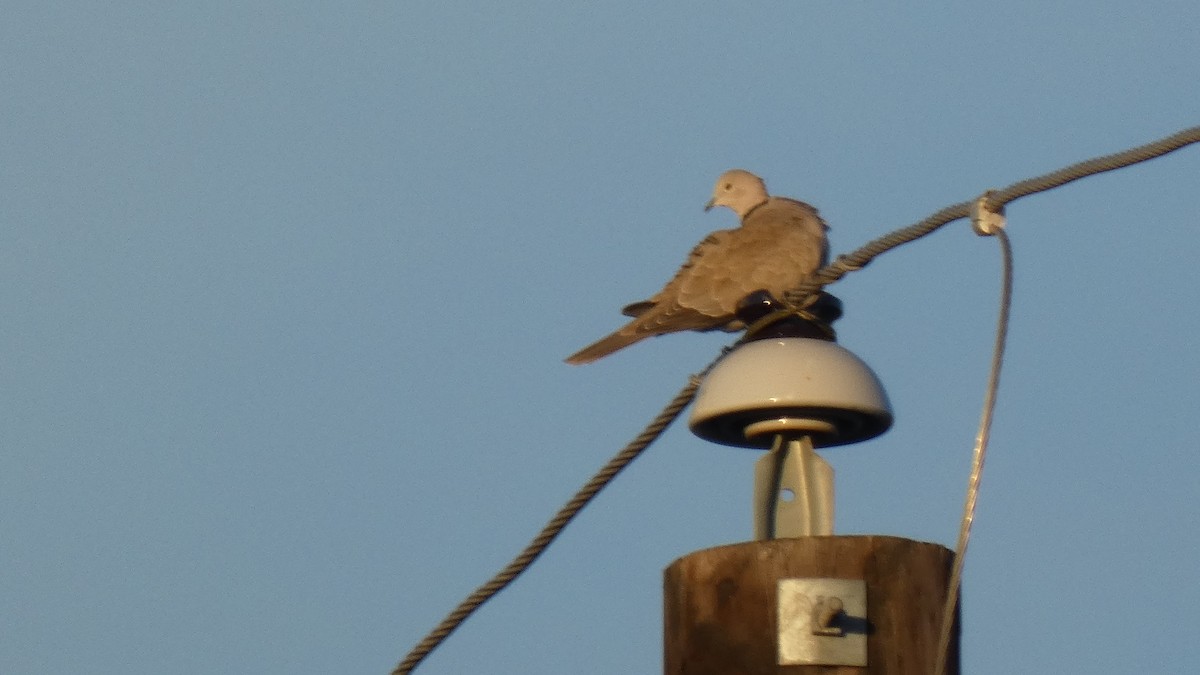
[{"x": 286, "y": 290}]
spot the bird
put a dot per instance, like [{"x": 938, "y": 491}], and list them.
[{"x": 780, "y": 243}]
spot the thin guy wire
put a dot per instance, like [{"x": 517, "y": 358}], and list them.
[
  {"x": 825, "y": 276},
  {"x": 980, "y": 454},
  {"x": 553, "y": 528}
]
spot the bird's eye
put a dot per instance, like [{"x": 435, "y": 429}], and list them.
[{"x": 729, "y": 186}]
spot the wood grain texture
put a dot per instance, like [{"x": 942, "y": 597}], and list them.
[{"x": 720, "y": 604}]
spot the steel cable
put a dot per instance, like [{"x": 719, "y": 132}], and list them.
[
  {"x": 552, "y": 529},
  {"x": 979, "y": 454}
]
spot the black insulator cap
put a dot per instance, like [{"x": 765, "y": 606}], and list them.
[{"x": 823, "y": 312}]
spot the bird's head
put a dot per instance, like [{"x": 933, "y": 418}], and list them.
[{"x": 739, "y": 190}]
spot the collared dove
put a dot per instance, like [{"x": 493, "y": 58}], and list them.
[{"x": 780, "y": 243}]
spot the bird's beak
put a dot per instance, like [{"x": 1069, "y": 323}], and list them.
[{"x": 711, "y": 203}]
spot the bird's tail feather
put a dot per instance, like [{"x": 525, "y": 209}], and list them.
[{"x": 603, "y": 347}]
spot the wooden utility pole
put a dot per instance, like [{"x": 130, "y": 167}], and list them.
[{"x": 724, "y": 607}]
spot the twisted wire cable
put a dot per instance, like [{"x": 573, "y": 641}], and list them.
[
  {"x": 553, "y": 528},
  {"x": 859, "y": 258}
]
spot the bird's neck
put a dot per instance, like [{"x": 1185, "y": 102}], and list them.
[{"x": 746, "y": 214}]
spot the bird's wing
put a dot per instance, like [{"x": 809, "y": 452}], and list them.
[
  {"x": 779, "y": 245},
  {"x": 686, "y": 302},
  {"x": 800, "y": 244}
]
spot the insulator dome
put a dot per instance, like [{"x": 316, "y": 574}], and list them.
[{"x": 802, "y": 385}]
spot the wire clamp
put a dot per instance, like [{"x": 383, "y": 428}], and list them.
[{"x": 987, "y": 219}]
